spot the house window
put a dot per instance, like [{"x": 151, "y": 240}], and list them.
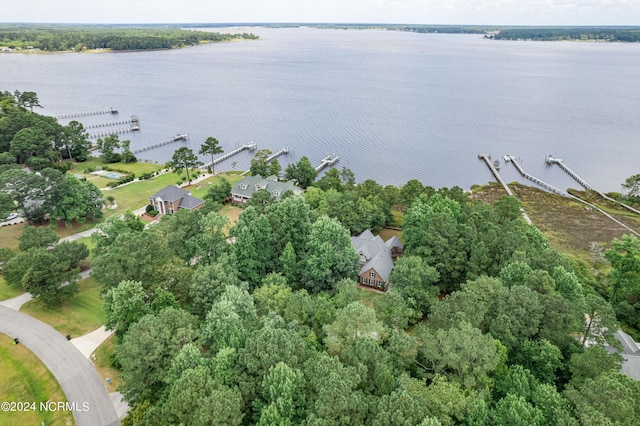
[
  {"x": 372, "y": 274},
  {"x": 365, "y": 280}
]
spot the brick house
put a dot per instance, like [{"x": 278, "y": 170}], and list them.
[
  {"x": 376, "y": 258},
  {"x": 171, "y": 198}
]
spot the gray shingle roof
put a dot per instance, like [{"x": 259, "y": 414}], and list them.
[
  {"x": 376, "y": 252},
  {"x": 172, "y": 193},
  {"x": 247, "y": 186}
]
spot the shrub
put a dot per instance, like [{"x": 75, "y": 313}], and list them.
[
  {"x": 153, "y": 213},
  {"x": 148, "y": 208}
]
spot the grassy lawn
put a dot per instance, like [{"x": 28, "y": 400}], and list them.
[
  {"x": 7, "y": 291},
  {"x": 24, "y": 378},
  {"x": 136, "y": 194},
  {"x": 232, "y": 212},
  {"x": 9, "y": 235},
  {"x": 368, "y": 296},
  {"x": 137, "y": 168},
  {"x": 200, "y": 189},
  {"x": 78, "y": 316},
  {"x": 103, "y": 364},
  {"x": 386, "y": 233}
]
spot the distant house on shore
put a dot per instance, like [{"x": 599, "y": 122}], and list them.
[
  {"x": 171, "y": 198},
  {"x": 376, "y": 258},
  {"x": 243, "y": 190}
]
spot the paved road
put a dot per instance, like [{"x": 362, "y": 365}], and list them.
[{"x": 77, "y": 377}]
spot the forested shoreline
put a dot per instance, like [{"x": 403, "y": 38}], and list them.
[
  {"x": 262, "y": 321},
  {"x": 57, "y": 38}
]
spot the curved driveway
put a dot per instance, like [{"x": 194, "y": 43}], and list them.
[{"x": 76, "y": 375}]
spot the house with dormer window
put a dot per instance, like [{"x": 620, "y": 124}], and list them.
[
  {"x": 376, "y": 258},
  {"x": 244, "y": 189},
  {"x": 171, "y": 198}
]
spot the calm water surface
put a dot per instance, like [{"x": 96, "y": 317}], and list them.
[{"x": 393, "y": 105}]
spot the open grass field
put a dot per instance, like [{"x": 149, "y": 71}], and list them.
[
  {"x": 25, "y": 379},
  {"x": 9, "y": 235},
  {"x": 78, "y": 316},
  {"x": 103, "y": 364},
  {"x": 7, "y": 291}
]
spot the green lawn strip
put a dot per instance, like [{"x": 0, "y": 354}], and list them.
[
  {"x": 103, "y": 364},
  {"x": 368, "y": 296},
  {"x": 136, "y": 194},
  {"x": 200, "y": 189},
  {"x": 25, "y": 379},
  {"x": 8, "y": 291},
  {"x": 136, "y": 168},
  {"x": 79, "y": 315}
]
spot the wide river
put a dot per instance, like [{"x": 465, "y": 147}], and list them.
[{"x": 393, "y": 105}]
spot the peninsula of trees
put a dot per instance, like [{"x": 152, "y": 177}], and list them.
[{"x": 57, "y": 38}]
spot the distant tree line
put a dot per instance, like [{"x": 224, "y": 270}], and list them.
[
  {"x": 60, "y": 38},
  {"x": 628, "y": 34}
]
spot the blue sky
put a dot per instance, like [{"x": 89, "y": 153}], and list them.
[{"x": 497, "y": 12}]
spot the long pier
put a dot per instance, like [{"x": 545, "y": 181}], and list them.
[
  {"x": 119, "y": 131},
  {"x": 251, "y": 146},
  {"x": 176, "y": 138},
  {"x": 283, "y": 151},
  {"x": 550, "y": 159},
  {"x": 512, "y": 159},
  {"x": 327, "y": 162},
  {"x": 133, "y": 121},
  {"x": 87, "y": 114},
  {"x": 496, "y": 174}
]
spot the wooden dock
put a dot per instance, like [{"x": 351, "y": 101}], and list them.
[
  {"x": 131, "y": 128},
  {"x": 327, "y": 162},
  {"x": 496, "y": 174},
  {"x": 551, "y": 188},
  {"x": 179, "y": 137},
  {"x": 133, "y": 121},
  {"x": 251, "y": 146},
  {"x": 87, "y": 114},
  {"x": 550, "y": 159}
]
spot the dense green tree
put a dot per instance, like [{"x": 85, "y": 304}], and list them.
[
  {"x": 260, "y": 200},
  {"x": 49, "y": 278},
  {"x": 77, "y": 141},
  {"x": 127, "y": 155},
  {"x": 592, "y": 362},
  {"x": 253, "y": 247},
  {"x": 302, "y": 172},
  {"x": 134, "y": 256},
  {"x": 290, "y": 265},
  {"x": 184, "y": 159},
  {"x": 457, "y": 306},
  {"x": 212, "y": 147},
  {"x": 71, "y": 251},
  {"x": 156, "y": 337},
  {"x": 15, "y": 268},
  {"x": 196, "y": 398},
  {"x": 290, "y": 222},
  {"x": 6, "y": 205},
  {"x": 27, "y": 99},
  {"x": 632, "y": 186},
  {"x": 354, "y": 321},
  {"x": 112, "y": 227},
  {"x": 273, "y": 295},
  {"x": 600, "y": 321},
  {"x": 432, "y": 231},
  {"x": 283, "y": 390},
  {"x": 461, "y": 353},
  {"x": 37, "y": 237},
  {"x": 331, "y": 392},
  {"x": 219, "y": 191},
  {"x": 541, "y": 357},
  {"x": 125, "y": 305},
  {"x": 517, "y": 316},
  {"x": 107, "y": 147},
  {"x": 515, "y": 410},
  {"x": 394, "y": 311},
  {"x": 624, "y": 256},
  {"x": 72, "y": 199},
  {"x": 259, "y": 165},
  {"x": 32, "y": 146},
  {"x": 610, "y": 398},
  {"x": 416, "y": 282},
  {"x": 330, "y": 256},
  {"x": 373, "y": 363}
]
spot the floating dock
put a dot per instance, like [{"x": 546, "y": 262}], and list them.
[
  {"x": 550, "y": 159},
  {"x": 327, "y": 162},
  {"x": 251, "y": 146},
  {"x": 87, "y": 114},
  {"x": 512, "y": 159},
  {"x": 496, "y": 174},
  {"x": 176, "y": 138}
]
